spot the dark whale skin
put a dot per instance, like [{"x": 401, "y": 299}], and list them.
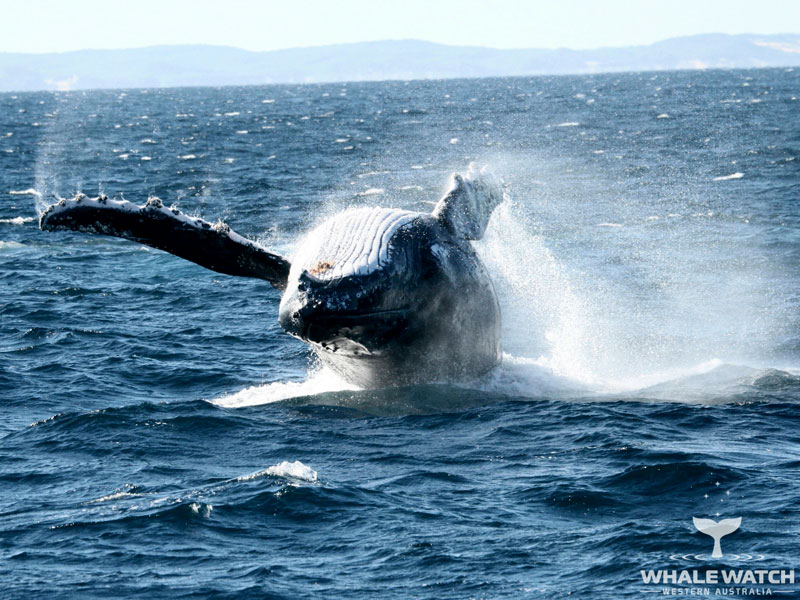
[
  {"x": 431, "y": 315},
  {"x": 385, "y": 297}
]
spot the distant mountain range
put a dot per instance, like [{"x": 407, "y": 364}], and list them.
[{"x": 168, "y": 66}]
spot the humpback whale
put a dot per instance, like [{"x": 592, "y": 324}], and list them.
[{"x": 385, "y": 297}]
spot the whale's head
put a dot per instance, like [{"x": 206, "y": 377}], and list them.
[{"x": 358, "y": 278}]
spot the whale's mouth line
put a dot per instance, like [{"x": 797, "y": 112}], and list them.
[
  {"x": 357, "y": 330},
  {"x": 352, "y": 315}
]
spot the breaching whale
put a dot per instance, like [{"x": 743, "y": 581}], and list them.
[{"x": 385, "y": 297}]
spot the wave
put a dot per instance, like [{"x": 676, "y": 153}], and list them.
[
  {"x": 287, "y": 470},
  {"x": 131, "y": 502},
  {"x": 18, "y": 220},
  {"x": 736, "y": 175},
  {"x": 28, "y": 192},
  {"x": 372, "y": 192}
]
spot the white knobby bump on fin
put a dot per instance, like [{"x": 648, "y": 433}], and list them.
[{"x": 467, "y": 206}]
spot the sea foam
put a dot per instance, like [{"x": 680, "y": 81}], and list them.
[
  {"x": 736, "y": 175},
  {"x": 28, "y": 192},
  {"x": 18, "y": 220},
  {"x": 286, "y": 470},
  {"x": 318, "y": 382}
]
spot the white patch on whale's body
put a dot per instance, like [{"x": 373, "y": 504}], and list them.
[{"x": 355, "y": 242}]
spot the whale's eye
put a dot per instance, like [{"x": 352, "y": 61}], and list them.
[{"x": 321, "y": 267}]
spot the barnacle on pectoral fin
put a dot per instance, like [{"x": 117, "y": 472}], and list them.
[{"x": 222, "y": 228}]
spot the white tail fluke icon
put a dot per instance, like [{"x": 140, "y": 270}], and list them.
[{"x": 717, "y": 530}]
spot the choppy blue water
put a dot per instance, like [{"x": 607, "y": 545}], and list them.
[{"x": 161, "y": 437}]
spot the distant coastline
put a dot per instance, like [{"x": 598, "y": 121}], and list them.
[{"x": 177, "y": 66}]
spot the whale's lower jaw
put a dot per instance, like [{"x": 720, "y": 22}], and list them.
[
  {"x": 412, "y": 364},
  {"x": 429, "y": 345}
]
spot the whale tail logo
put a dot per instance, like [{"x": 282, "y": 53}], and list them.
[{"x": 717, "y": 530}]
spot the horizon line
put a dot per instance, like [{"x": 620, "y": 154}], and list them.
[{"x": 392, "y": 40}]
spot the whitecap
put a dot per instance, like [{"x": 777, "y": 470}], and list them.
[
  {"x": 285, "y": 469},
  {"x": 9, "y": 245},
  {"x": 663, "y": 116},
  {"x": 114, "y": 496},
  {"x": 453, "y": 141},
  {"x": 28, "y": 192},
  {"x": 372, "y": 192},
  {"x": 736, "y": 175},
  {"x": 201, "y": 508},
  {"x": 145, "y": 158},
  {"x": 242, "y": 132},
  {"x": 188, "y": 156},
  {"x": 609, "y": 224},
  {"x": 568, "y": 124},
  {"x": 232, "y": 114},
  {"x": 18, "y": 220}
]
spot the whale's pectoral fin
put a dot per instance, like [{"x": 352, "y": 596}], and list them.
[
  {"x": 468, "y": 204},
  {"x": 215, "y": 247}
]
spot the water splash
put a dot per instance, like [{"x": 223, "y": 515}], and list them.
[
  {"x": 650, "y": 300},
  {"x": 545, "y": 322},
  {"x": 319, "y": 381}
]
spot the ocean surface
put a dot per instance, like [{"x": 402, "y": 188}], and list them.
[{"x": 161, "y": 437}]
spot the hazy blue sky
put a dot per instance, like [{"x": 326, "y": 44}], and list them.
[{"x": 61, "y": 25}]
